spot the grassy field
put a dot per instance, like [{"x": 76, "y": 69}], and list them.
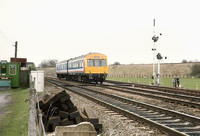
[
  {"x": 189, "y": 83},
  {"x": 16, "y": 121}
]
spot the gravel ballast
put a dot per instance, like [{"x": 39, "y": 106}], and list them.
[{"x": 113, "y": 123}]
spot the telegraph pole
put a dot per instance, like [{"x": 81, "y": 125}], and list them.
[{"x": 16, "y": 51}]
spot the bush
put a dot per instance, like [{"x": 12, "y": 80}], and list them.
[
  {"x": 116, "y": 63},
  {"x": 195, "y": 70},
  {"x": 184, "y": 61}
]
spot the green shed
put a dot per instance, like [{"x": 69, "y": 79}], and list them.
[{"x": 10, "y": 71}]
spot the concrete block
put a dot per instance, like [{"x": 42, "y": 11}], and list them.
[
  {"x": 82, "y": 129},
  {"x": 89, "y": 112},
  {"x": 91, "y": 115}
]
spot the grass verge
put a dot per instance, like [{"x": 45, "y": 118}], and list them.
[
  {"x": 16, "y": 121},
  {"x": 189, "y": 83}
]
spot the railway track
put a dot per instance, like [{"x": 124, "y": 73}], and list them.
[
  {"x": 159, "y": 88},
  {"x": 184, "y": 100},
  {"x": 168, "y": 121}
]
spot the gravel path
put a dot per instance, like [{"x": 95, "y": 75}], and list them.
[{"x": 5, "y": 101}]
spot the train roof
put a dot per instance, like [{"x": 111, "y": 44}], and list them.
[{"x": 82, "y": 56}]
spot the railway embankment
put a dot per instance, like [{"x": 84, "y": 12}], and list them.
[{"x": 168, "y": 70}]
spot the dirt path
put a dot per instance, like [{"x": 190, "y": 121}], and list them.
[{"x": 5, "y": 100}]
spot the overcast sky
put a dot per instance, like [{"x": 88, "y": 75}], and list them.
[{"x": 120, "y": 29}]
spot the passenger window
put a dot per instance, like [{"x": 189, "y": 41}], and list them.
[
  {"x": 103, "y": 62},
  {"x": 82, "y": 63},
  {"x": 12, "y": 70},
  {"x": 97, "y": 62},
  {"x": 90, "y": 62},
  {"x": 3, "y": 69}
]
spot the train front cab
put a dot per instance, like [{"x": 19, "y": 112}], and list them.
[{"x": 96, "y": 67}]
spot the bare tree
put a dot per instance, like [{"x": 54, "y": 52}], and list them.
[
  {"x": 48, "y": 63},
  {"x": 52, "y": 63}
]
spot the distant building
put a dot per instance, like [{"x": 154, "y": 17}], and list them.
[{"x": 24, "y": 64}]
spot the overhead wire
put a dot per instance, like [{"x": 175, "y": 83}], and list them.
[{"x": 5, "y": 38}]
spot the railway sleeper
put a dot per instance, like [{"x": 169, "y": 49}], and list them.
[
  {"x": 154, "y": 116},
  {"x": 171, "y": 124},
  {"x": 168, "y": 121},
  {"x": 152, "y": 113},
  {"x": 177, "y": 125},
  {"x": 188, "y": 129},
  {"x": 195, "y": 133},
  {"x": 160, "y": 118},
  {"x": 59, "y": 110}
]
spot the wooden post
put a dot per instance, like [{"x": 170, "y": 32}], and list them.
[{"x": 16, "y": 51}]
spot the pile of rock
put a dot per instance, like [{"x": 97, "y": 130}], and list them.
[{"x": 59, "y": 110}]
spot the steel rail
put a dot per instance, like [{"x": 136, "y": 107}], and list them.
[
  {"x": 160, "y": 88},
  {"x": 135, "y": 116},
  {"x": 172, "y": 99},
  {"x": 142, "y": 104},
  {"x": 192, "y": 98}
]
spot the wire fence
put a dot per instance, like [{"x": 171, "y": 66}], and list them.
[
  {"x": 35, "y": 123},
  {"x": 148, "y": 75}
]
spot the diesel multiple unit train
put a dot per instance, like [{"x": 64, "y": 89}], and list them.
[{"x": 92, "y": 67}]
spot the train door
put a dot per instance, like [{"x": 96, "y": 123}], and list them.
[{"x": 14, "y": 72}]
